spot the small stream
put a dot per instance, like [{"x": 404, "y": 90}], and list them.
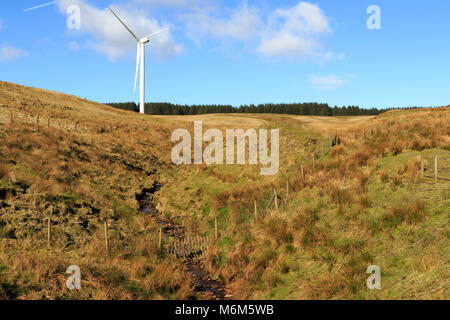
[{"x": 202, "y": 279}]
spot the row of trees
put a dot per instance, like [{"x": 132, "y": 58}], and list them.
[{"x": 319, "y": 109}]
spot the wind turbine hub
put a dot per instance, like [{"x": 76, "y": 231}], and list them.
[{"x": 145, "y": 40}]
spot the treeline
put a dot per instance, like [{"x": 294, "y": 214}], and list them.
[{"x": 318, "y": 109}]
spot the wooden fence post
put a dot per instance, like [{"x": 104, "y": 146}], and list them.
[
  {"x": 106, "y": 237},
  {"x": 48, "y": 122},
  {"x": 364, "y": 134},
  {"x": 37, "y": 122},
  {"x": 436, "y": 169},
  {"x": 215, "y": 227},
  {"x": 303, "y": 173},
  {"x": 256, "y": 212},
  {"x": 12, "y": 118},
  {"x": 287, "y": 188},
  {"x": 313, "y": 161},
  {"x": 160, "y": 238},
  {"x": 276, "y": 198}
]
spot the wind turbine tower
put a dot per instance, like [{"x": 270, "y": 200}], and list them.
[{"x": 140, "y": 60}]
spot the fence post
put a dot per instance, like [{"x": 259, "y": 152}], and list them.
[
  {"x": 37, "y": 122},
  {"x": 106, "y": 237},
  {"x": 364, "y": 134},
  {"x": 303, "y": 173},
  {"x": 276, "y": 198},
  {"x": 256, "y": 212},
  {"x": 436, "y": 169},
  {"x": 12, "y": 118},
  {"x": 215, "y": 227},
  {"x": 314, "y": 161},
  {"x": 287, "y": 188}
]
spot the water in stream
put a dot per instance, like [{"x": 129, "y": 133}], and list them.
[{"x": 202, "y": 279}]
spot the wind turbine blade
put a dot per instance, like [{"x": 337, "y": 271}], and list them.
[
  {"x": 138, "y": 57},
  {"x": 134, "y": 36},
  {"x": 155, "y": 33}
]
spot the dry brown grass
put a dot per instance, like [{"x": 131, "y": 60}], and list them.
[
  {"x": 344, "y": 177},
  {"x": 82, "y": 167},
  {"x": 337, "y": 151},
  {"x": 329, "y": 125},
  {"x": 409, "y": 212},
  {"x": 79, "y": 170}
]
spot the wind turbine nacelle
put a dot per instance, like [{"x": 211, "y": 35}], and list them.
[{"x": 144, "y": 40}]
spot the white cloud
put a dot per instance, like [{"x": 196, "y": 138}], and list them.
[
  {"x": 243, "y": 24},
  {"x": 295, "y": 33},
  {"x": 330, "y": 82},
  {"x": 112, "y": 39},
  {"x": 291, "y": 33},
  {"x": 286, "y": 45},
  {"x": 10, "y": 53},
  {"x": 303, "y": 18}
]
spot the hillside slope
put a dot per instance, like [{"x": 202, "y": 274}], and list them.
[
  {"x": 362, "y": 202},
  {"x": 80, "y": 164}
]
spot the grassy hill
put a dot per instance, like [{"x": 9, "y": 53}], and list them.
[{"x": 363, "y": 202}]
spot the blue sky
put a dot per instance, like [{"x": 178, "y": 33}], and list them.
[{"x": 234, "y": 52}]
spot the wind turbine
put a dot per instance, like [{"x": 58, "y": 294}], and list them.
[{"x": 140, "y": 60}]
